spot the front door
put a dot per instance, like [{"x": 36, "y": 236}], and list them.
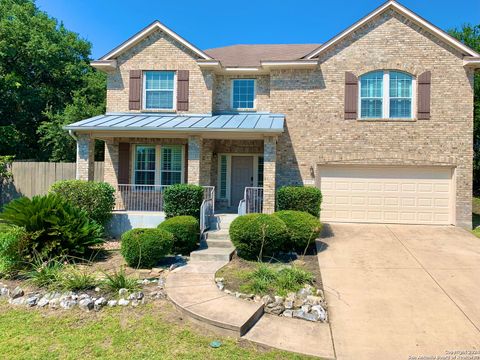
[{"x": 242, "y": 176}]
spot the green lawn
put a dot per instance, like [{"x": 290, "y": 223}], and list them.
[
  {"x": 476, "y": 215},
  {"x": 153, "y": 331}
]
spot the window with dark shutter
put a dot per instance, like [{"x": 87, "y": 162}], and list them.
[
  {"x": 135, "y": 90},
  {"x": 424, "y": 84},
  {"x": 123, "y": 163},
  {"x": 351, "y": 96},
  {"x": 182, "y": 90}
]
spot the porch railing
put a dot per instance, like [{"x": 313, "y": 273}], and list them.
[
  {"x": 133, "y": 197},
  {"x": 252, "y": 201},
  {"x": 207, "y": 209}
]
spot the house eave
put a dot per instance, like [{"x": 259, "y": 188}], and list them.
[
  {"x": 471, "y": 62},
  {"x": 104, "y": 65},
  {"x": 265, "y": 66}
]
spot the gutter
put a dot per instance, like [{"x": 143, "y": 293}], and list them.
[{"x": 72, "y": 134}]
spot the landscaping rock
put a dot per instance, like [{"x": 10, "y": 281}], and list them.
[
  {"x": 220, "y": 286},
  {"x": 306, "y": 308},
  {"x": 288, "y": 304},
  {"x": 112, "y": 303},
  {"x": 136, "y": 296},
  {"x": 314, "y": 300},
  {"x": 123, "y": 302},
  {"x": 300, "y": 314},
  {"x": 17, "y": 301},
  {"x": 219, "y": 279},
  {"x": 273, "y": 308},
  {"x": 305, "y": 291},
  {"x": 54, "y": 303},
  {"x": 97, "y": 289},
  {"x": 32, "y": 300},
  {"x": 80, "y": 297},
  {"x": 123, "y": 292},
  {"x": 86, "y": 304},
  {"x": 161, "y": 283},
  {"x": 43, "y": 302},
  {"x": 320, "y": 311},
  {"x": 4, "y": 291},
  {"x": 67, "y": 304},
  {"x": 17, "y": 292},
  {"x": 135, "y": 303},
  {"x": 267, "y": 299},
  {"x": 288, "y": 313}
]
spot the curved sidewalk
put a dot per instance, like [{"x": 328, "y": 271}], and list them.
[{"x": 192, "y": 289}]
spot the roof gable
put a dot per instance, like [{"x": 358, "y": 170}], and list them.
[
  {"x": 142, "y": 34},
  {"x": 391, "y": 4}
]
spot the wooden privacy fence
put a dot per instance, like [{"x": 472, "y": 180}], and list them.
[{"x": 35, "y": 178}]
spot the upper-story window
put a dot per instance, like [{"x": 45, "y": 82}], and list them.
[
  {"x": 386, "y": 94},
  {"x": 159, "y": 90},
  {"x": 243, "y": 94}
]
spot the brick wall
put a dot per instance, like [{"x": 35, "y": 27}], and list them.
[
  {"x": 313, "y": 102},
  {"x": 159, "y": 52}
]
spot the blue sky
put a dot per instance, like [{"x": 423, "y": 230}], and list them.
[{"x": 212, "y": 23}]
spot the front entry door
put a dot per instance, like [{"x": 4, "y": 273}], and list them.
[{"x": 242, "y": 176}]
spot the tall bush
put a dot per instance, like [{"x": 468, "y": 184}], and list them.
[
  {"x": 183, "y": 199},
  {"x": 96, "y": 198},
  {"x": 257, "y": 235},
  {"x": 185, "y": 231},
  {"x": 54, "y": 226},
  {"x": 300, "y": 198},
  {"x": 13, "y": 245}
]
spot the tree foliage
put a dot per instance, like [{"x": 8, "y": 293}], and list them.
[
  {"x": 45, "y": 76},
  {"x": 470, "y": 36}
]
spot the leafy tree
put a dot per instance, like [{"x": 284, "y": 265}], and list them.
[
  {"x": 470, "y": 36},
  {"x": 44, "y": 69}
]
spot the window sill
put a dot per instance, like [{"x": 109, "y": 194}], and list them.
[
  {"x": 171, "y": 111},
  {"x": 386, "y": 120}
]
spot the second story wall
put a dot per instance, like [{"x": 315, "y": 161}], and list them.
[{"x": 159, "y": 52}]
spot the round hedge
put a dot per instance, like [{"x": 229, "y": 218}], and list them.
[
  {"x": 300, "y": 198},
  {"x": 257, "y": 235},
  {"x": 183, "y": 199},
  {"x": 302, "y": 229},
  {"x": 185, "y": 230},
  {"x": 144, "y": 248}
]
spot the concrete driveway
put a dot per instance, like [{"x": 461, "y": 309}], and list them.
[{"x": 396, "y": 291}]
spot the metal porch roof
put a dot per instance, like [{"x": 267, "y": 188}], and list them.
[{"x": 252, "y": 122}]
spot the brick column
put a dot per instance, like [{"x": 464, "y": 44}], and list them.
[
  {"x": 85, "y": 159},
  {"x": 111, "y": 163},
  {"x": 193, "y": 162},
  {"x": 206, "y": 162},
  {"x": 269, "y": 176}
]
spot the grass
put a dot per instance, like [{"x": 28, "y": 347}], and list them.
[
  {"x": 119, "y": 280},
  {"x": 264, "y": 278},
  {"x": 476, "y": 215},
  {"x": 154, "y": 331}
]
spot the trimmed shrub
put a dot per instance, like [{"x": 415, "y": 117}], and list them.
[
  {"x": 257, "y": 235},
  {"x": 96, "y": 198},
  {"x": 302, "y": 229},
  {"x": 54, "y": 226},
  {"x": 13, "y": 242},
  {"x": 144, "y": 248},
  {"x": 300, "y": 198},
  {"x": 183, "y": 199},
  {"x": 185, "y": 231}
]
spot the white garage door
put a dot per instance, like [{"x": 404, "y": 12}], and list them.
[{"x": 409, "y": 195}]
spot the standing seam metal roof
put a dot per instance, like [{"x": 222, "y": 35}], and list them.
[{"x": 255, "y": 122}]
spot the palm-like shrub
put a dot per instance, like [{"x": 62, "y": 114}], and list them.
[{"x": 54, "y": 226}]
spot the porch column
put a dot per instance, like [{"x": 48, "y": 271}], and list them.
[
  {"x": 85, "y": 159},
  {"x": 110, "y": 174},
  {"x": 194, "y": 156},
  {"x": 269, "y": 173},
  {"x": 206, "y": 162}
]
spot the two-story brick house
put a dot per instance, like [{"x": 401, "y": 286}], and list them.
[{"x": 379, "y": 117}]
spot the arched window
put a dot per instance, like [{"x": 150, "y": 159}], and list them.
[{"x": 386, "y": 94}]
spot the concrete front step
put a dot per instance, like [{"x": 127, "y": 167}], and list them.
[
  {"x": 212, "y": 254},
  {"x": 192, "y": 289},
  {"x": 216, "y": 243},
  {"x": 218, "y": 234}
]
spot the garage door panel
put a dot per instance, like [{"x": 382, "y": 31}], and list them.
[{"x": 386, "y": 194}]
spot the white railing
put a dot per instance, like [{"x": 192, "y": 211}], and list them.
[
  {"x": 252, "y": 201},
  {"x": 133, "y": 197},
  {"x": 206, "y": 213}
]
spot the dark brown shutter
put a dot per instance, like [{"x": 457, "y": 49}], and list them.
[
  {"x": 182, "y": 90},
  {"x": 351, "y": 96},
  {"x": 424, "y": 83},
  {"x": 135, "y": 90},
  {"x": 123, "y": 163}
]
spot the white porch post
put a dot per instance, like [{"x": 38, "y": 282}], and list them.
[
  {"x": 85, "y": 157},
  {"x": 269, "y": 173},
  {"x": 194, "y": 156}
]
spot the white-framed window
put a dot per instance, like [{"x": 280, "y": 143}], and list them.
[
  {"x": 386, "y": 95},
  {"x": 158, "y": 165},
  {"x": 159, "y": 90},
  {"x": 243, "y": 94}
]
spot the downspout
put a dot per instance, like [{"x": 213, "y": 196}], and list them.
[{"x": 72, "y": 134}]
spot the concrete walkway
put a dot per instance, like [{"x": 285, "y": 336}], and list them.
[
  {"x": 397, "y": 290},
  {"x": 192, "y": 289}
]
